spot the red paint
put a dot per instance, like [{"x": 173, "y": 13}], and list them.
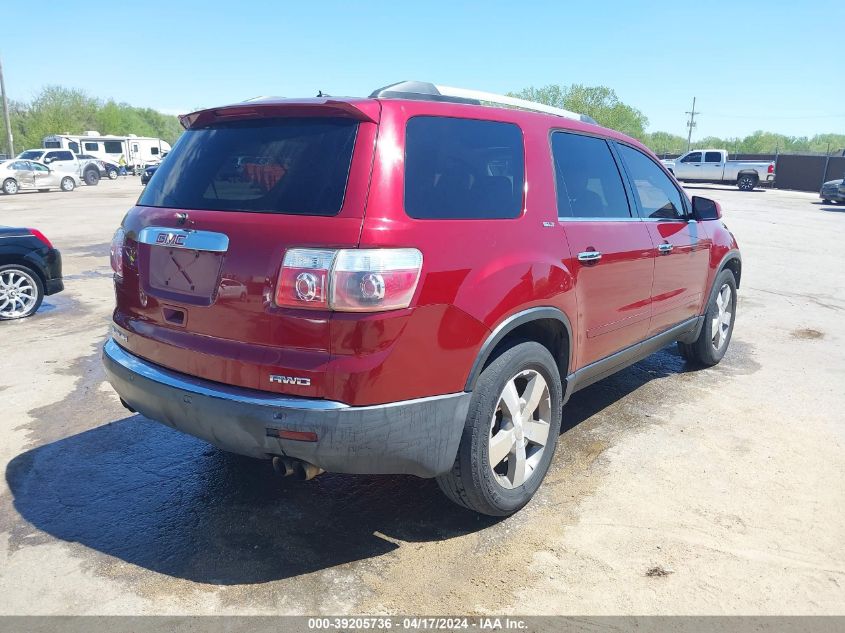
[{"x": 475, "y": 274}]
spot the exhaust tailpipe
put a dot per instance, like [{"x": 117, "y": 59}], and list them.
[
  {"x": 305, "y": 471},
  {"x": 283, "y": 466}
]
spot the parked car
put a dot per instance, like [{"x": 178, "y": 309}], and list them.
[
  {"x": 30, "y": 269},
  {"x": 148, "y": 173},
  {"x": 712, "y": 165},
  {"x": 833, "y": 191},
  {"x": 16, "y": 175},
  {"x": 427, "y": 280},
  {"x": 106, "y": 168},
  {"x": 64, "y": 161}
]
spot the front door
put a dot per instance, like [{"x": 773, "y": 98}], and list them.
[
  {"x": 43, "y": 178},
  {"x": 612, "y": 254},
  {"x": 688, "y": 167},
  {"x": 682, "y": 247}
]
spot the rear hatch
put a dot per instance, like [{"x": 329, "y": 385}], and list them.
[{"x": 203, "y": 247}]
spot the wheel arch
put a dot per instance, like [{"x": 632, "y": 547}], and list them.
[
  {"x": 748, "y": 172},
  {"x": 733, "y": 262},
  {"x": 545, "y": 325},
  {"x": 14, "y": 259}
]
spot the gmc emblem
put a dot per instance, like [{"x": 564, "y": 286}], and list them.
[
  {"x": 290, "y": 380},
  {"x": 171, "y": 239}
]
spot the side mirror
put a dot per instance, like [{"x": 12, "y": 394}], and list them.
[{"x": 705, "y": 209}]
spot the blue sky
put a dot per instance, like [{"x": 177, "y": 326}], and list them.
[{"x": 771, "y": 66}]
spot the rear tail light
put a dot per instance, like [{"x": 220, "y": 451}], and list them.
[
  {"x": 116, "y": 252},
  {"x": 771, "y": 168},
  {"x": 40, "y": 237},
  {"x": 304, "y": 278},
  {"x": 349, "y": 280}
]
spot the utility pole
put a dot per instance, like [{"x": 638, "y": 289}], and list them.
[
  {"x": 691, "y": 123},
  {"x": 9, "y": 141}
]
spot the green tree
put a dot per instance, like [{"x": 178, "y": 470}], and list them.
[
  {"x": 58, "y": 110},
  {"x": 599, "y": 102}
]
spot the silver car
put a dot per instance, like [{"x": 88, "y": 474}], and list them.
[{"x": 17, "y": 174}]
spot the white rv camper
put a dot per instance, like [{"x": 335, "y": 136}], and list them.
[{"x": 139, "y": 151}]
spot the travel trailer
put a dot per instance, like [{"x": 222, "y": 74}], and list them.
[{"x": 139, "y": 151}]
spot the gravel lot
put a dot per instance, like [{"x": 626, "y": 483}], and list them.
[{"x": 673, "y": 491}]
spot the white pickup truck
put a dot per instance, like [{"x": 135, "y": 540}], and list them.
[{"x": 712, "y": 165}]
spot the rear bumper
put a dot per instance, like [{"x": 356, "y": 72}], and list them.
[
  {"x": 417, "y": 437},
  {"x": 52, "y": 269},
  {"x": 835, "y": 196}
]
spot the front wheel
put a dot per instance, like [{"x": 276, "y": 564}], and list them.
[
  {"x": 710, "y": 346},
  {"x": 746, "y": 183},
  {"x": 112, "y": 174},
  {"x": 10, "y": 186},
  {"x": 21, "y": 292},
  {"x": 510, "y": 433},
  {"x": 68, "y": 184}
]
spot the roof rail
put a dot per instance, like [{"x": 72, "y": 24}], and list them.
[{"x": 430, "y": 92}]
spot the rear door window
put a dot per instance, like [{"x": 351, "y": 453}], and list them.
[
  {"x": 588, "y": 181},
  {"x": 463, "y": 169},
  {"x": 294, "y": 166},
  {"x": 712, "y": 157}
]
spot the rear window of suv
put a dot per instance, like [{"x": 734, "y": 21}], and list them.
[
  {"x": 294, "y": 166},
  {"x": 463, "y": 169}
]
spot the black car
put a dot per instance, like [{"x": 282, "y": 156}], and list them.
[
  {"x": 148, "y": 173},
  {"x": 31, "y": 269}
]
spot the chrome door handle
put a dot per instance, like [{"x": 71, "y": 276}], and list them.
[
  {"x": 589, "y": 256},
  {"x": 665, "y": 248}
]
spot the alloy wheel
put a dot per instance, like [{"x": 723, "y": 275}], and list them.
[
  {"x": 519, "y": 430},
  {"x": 721, "y": 324},
  {"x": 18, "y": 293}
]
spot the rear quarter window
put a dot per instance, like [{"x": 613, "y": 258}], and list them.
[
  {"x": 463, "y": 169},
  {"x": 294, "y": 166}
]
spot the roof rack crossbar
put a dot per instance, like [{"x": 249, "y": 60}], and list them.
[{"x": 431, "y": 92}]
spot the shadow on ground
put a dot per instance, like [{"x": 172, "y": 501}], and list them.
[{"x": 150, "y": 496}]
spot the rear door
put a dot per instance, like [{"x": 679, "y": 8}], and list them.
[
  {"x": 712, "y": 166},
  {"x": 23, "y": 172},
  {"x": 209, "y": 235},
  {"x": 682, "y": 246},
  {"x": 614, "y": 253}
]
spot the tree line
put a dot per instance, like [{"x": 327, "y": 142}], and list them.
[
  {"x": 604, "y": 106},
  {"x": 59, "y": 110}
]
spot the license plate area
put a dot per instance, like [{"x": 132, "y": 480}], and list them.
[{"x": 181, "y": 266}]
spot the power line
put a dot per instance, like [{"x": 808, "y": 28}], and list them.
[{"x": 691, "y": 123}]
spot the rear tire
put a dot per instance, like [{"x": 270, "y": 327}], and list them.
[
  {"x": 746, "y": 182},
  {"x": 21, "y": 292},
  {"x": 67, "y": 184},
  {"x": 91, "y": 177},
  {"x": 719, "y": 318},
  {"x": 500, "y": 428},
  {"x": 825, "y": 201},
  {"x": 10, "y": 186}
]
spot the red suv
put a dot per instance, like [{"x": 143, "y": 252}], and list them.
[{"x": 415, "y": 282}]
